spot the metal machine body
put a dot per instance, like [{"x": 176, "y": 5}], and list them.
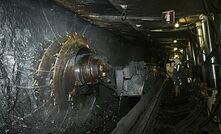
[
  {"x": 130, "y": 79},
  {"x": 71, "y": 67}
]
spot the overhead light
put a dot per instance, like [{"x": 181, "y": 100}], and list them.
[
  {"x": 123, "y": 7},
  {"x": 156, "y": 30},
  {"x": 177, "y": 25},
  {"x": 175, "y": 49},
  {"x": 138, "y": 25},
  {"x": 174, "y": 41},
  {"x": 181, "y": 50}
]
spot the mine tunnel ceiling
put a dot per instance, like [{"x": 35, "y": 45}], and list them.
[{"x": 144, "y": 17}]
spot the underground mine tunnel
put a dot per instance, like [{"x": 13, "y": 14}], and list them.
[{"x": 110, "y": 67}]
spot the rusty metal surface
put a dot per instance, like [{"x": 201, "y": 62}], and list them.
[
  {"x": 67, "y": 65},
  {"x": 63, "y": 77}
]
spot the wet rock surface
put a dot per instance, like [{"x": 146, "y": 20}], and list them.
[{"x": 26, "y": 29}]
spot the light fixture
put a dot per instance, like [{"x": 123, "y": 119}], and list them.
[
  {"x": 174, "y": 41},
  {"x": 175, "y": 49},
  {"x": 138, "y": 25},
  {"x": 176, "y": 25},
  {"x": 123, "y": 7}
]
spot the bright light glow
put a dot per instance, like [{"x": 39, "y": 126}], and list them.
[
  {"x": 138, "y": 25},
  {"x": 174, "y": 41},
  {"x": 181, "y": 50},
  {"x": 123, "y": 6},
  {"x": 177, "y": 25},
  {"x": 77, "y": 70},
  {"x": 175, "y": 49}
]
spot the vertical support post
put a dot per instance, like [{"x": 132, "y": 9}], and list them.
[
  {"x": 202, "y": 45},
  {"x": 194, "y": 58},
  {"x": 193, "y": 53},
  {"x": 208, "y": 49},
  {"x": 218, "y": 58}
]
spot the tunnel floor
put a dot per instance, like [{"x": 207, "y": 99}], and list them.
[{"x": 183, "y": 114}]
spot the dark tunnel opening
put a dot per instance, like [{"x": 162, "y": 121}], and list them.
[{"x": 109, "y": 66}]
